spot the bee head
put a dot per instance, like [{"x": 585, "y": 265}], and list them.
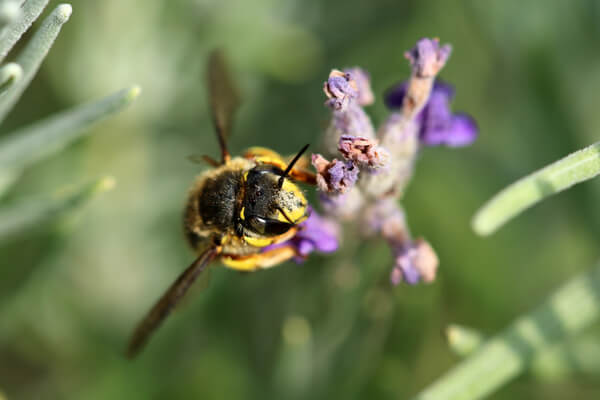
[{"x": 272, "y": 204}]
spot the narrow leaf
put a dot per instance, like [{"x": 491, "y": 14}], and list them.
[
  {"x": 10, "y": 10},
  {"x": 463, "y": 340},
  {"x": 9, "y": 74},
  {"x": 524, "y": 193},
  {"x": 43, "y": 138},
  {"x": 32, "y": 213},
  {"x": 33, "y": 55},
  {"x": 30, "y": 11},
  {"x": 7, "y": 178},
  {"x": 576, "y": 355},
  {"x": 570, "y": 309}
]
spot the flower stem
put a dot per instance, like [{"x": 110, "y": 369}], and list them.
[
  {"x": 524, "y": 193},
  {"x": 571, "y": 308}
]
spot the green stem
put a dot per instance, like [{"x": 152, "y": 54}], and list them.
[
  {"x": 570, "y": 309},
  {"x": 556, "y": 177},
  {"x": 575, "y": 355}
]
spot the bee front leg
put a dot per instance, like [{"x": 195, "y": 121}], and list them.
[{"x": 302, "y": 175}]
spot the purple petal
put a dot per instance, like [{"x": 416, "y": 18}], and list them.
[
  {"x": 394, "y": 96},
  {"x": 321, "y": 233},
  {"x": 315, "y": 234},
  {"x": 340, "y": 90},
  {"x": 363, "y": 83},
  {"x": 463, "y": 131},
  {"x": 438, "y": 125}
]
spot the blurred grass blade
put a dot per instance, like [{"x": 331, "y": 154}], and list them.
[
  {"x": 578, "y": 355},
  {"x": 524, "y": 193},
  {"x": 571, "y": 308},
  {"x": 10, "y": 10},
  {"x": 30, "y": 11},
  {"x": 43, "y": 138},
  {"x": 7, "y": 178},
  {"x": 21, "y": 217},
  {"x": 9, "y": 74},
  {"x": 34, "y": 53},
  {"x": 463, "y": 340}
]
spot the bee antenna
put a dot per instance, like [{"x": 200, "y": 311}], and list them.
[{"x": 291, "y": 165}]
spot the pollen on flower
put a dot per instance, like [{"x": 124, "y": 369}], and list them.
[
  {"x": 363, "y": 152},
  {"x": 334, "y": 176}
]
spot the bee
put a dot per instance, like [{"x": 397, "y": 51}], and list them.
[{"x": 235, "y": 210}]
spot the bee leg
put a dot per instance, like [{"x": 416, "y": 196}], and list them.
[
  {"x": 266, "y": 259},
  {"x": 302, "y": 175}
]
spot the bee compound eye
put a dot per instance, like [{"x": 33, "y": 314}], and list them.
[{"x": 268, "y": 226}]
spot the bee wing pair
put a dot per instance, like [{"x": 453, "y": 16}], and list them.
[{"x": 224, "y": 101}]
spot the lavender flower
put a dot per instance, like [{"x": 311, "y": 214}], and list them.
[
  {"x": 334, "y": 176},
  {"x": 427, "y": 58},
  {"x": 346, "y": 93},
  {"x": 316, "y": 233},
  {"x": 362, "y": 83},
  {"x": 375, "y": 169},
  {"x": 362, "y": 151},
  {"x": 340, "y": 90},
  {"x": 414, "y": 262},
  {"x": 437, "y": 124}
]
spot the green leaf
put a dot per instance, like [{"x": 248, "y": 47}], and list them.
[
  {"x": 517, "y": 197},
  {"x": 570, "y": 309},
  {"x": 7, "y": 178},
  {"x": 33, "y": 55},
  {"x": 9, "y": 74},
  {"x": 20, "y": 218},
  {"x": 463, "y": 340},
  {"x": 10, "y": 10},
  {"x": 43, "y": 138},
  {"x": 30, "y": 11}
]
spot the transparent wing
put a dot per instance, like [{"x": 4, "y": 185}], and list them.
[
  {"x": 168, "y": 301},
  {"x": 224, "y": 99}
]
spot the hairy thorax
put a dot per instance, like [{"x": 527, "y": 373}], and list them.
[{"x": 213, "y": 203}]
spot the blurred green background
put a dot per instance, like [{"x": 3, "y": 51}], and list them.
[{"x": 71, "y": 291}]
